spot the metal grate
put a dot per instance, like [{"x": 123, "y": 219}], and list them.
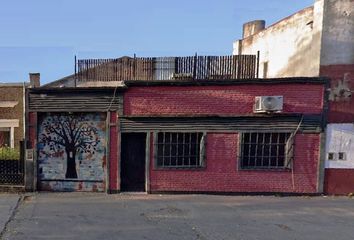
[
  {"x": 266, "y": 150},
  {"x": 179, "y": 149},
  {"x": 12, "y": 166}
]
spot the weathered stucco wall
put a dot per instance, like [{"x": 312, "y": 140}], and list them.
[
  {"x": 287, "y": 48},
  {"x": 341, "y": 105},
  {"x": 337, "y": 58},
  {"x": 338, "y": 32}
]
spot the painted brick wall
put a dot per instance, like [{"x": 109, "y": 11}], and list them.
[
  {"x": 340, "y": 111},
  {"x": 221, "y": 173},
  {"x": 32, "y": 126},
  {"x": 219, "y": 100},
  {"x": 339, "y": 181},
  {"x": 113, "y": 153}
]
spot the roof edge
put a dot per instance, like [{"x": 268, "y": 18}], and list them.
[{"x": 290, "y": 80}]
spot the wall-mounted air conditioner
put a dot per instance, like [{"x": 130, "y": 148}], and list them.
[{"x": 265, "y": 104}]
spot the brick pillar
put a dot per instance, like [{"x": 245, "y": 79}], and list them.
[
  {"x": 30, "y": 166},
  {"x": 35, "y": 80},
  {"x": 114, "y": 146}
]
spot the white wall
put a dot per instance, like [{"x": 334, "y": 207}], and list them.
[
  {"x": 338, "y": 32},
  {"x": 288, "y": 47},
  {"x": 340, "y": 138}
]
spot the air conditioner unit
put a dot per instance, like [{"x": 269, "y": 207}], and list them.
[{"x": 268, "y": 104}]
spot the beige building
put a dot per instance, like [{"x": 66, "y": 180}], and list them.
[
  {"x": 301, "y": 44},
  {"x": 12, "y": 109}
]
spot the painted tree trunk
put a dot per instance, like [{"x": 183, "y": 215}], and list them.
[{"x": 71, "y": 165}]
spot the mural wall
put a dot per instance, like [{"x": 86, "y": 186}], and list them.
[{"x": 72, "y": 151}]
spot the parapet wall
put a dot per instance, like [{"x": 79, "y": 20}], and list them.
[{"x": 286, "y": 47}]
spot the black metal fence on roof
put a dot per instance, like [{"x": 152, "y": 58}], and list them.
[{"x": 168, "y": 68}]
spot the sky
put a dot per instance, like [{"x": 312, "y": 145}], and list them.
[{"x": 45, "y": 35}]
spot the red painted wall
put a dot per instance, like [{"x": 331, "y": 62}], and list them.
[
  {"x": 219, "y": 100},
  {"x": 32, "y": 126},
  {"x": 221, "y": 173},
  {"x": 341, "y": 111},
  {"x": 113, "y": 153},
  {"x": 339, "y": 181}
]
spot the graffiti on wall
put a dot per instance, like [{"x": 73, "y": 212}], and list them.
[{"x": 71, "y": 147}]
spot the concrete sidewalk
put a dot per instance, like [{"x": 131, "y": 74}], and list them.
[{"x": 8, "y": 203}]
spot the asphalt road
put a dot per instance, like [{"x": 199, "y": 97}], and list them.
[{"x": 139, "y": 216}]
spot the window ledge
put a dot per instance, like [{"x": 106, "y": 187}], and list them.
[
  {"x": 266, "y": 169},
  {"x": 201, "y": 168}
]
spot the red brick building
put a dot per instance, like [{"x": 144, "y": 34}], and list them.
[
  {"x": 315, "y": 41},
  {"x": 182, "y": 136}
]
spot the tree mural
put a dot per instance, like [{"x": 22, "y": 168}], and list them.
[{"x": 72, "y": 134}]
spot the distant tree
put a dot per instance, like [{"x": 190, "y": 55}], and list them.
[{"x": 71, "y": 133}]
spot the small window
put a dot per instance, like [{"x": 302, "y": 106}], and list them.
[
  {"x": 179, "y": 150},
  {"x": 331, "y": 156},
  {"x": 342, "y": 156},
  {"x": 266, "y": 150}
]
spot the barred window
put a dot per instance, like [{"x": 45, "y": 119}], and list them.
[
  {"x": 179, "y": 150},
  {"x": 266, "y": 150}
]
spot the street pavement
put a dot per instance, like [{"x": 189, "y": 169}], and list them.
[
  {"x": 140, "y": 216},
  {"x": 8, "y": 203}
]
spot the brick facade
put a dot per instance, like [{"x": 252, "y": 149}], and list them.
[
  {"x": 13, "y": 93},
  {"x": 222, "y": 172},
  {"x": 219, "y": 100},
  {"x": 113, "y": 152}
]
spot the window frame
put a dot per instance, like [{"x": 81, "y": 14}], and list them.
[
  {"x": 202, "y": 152},
  {"x": 12, "y": 124},
  {"x": 8, "y": 131},
  {"x": 289, "y": 148}
]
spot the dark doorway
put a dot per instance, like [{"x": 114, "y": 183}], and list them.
[{"x": 133, "y": 162}]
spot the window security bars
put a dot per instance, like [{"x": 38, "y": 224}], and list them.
[
  {"x": 266, "y": 150},
  {"x": 179, "y": 150}
]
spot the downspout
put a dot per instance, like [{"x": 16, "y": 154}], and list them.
[{"x": 24, "y": 111}]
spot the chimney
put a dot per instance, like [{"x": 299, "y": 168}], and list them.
[
  {"x": 254, "y": 27},
  {"x": 35, "y": 80}
]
